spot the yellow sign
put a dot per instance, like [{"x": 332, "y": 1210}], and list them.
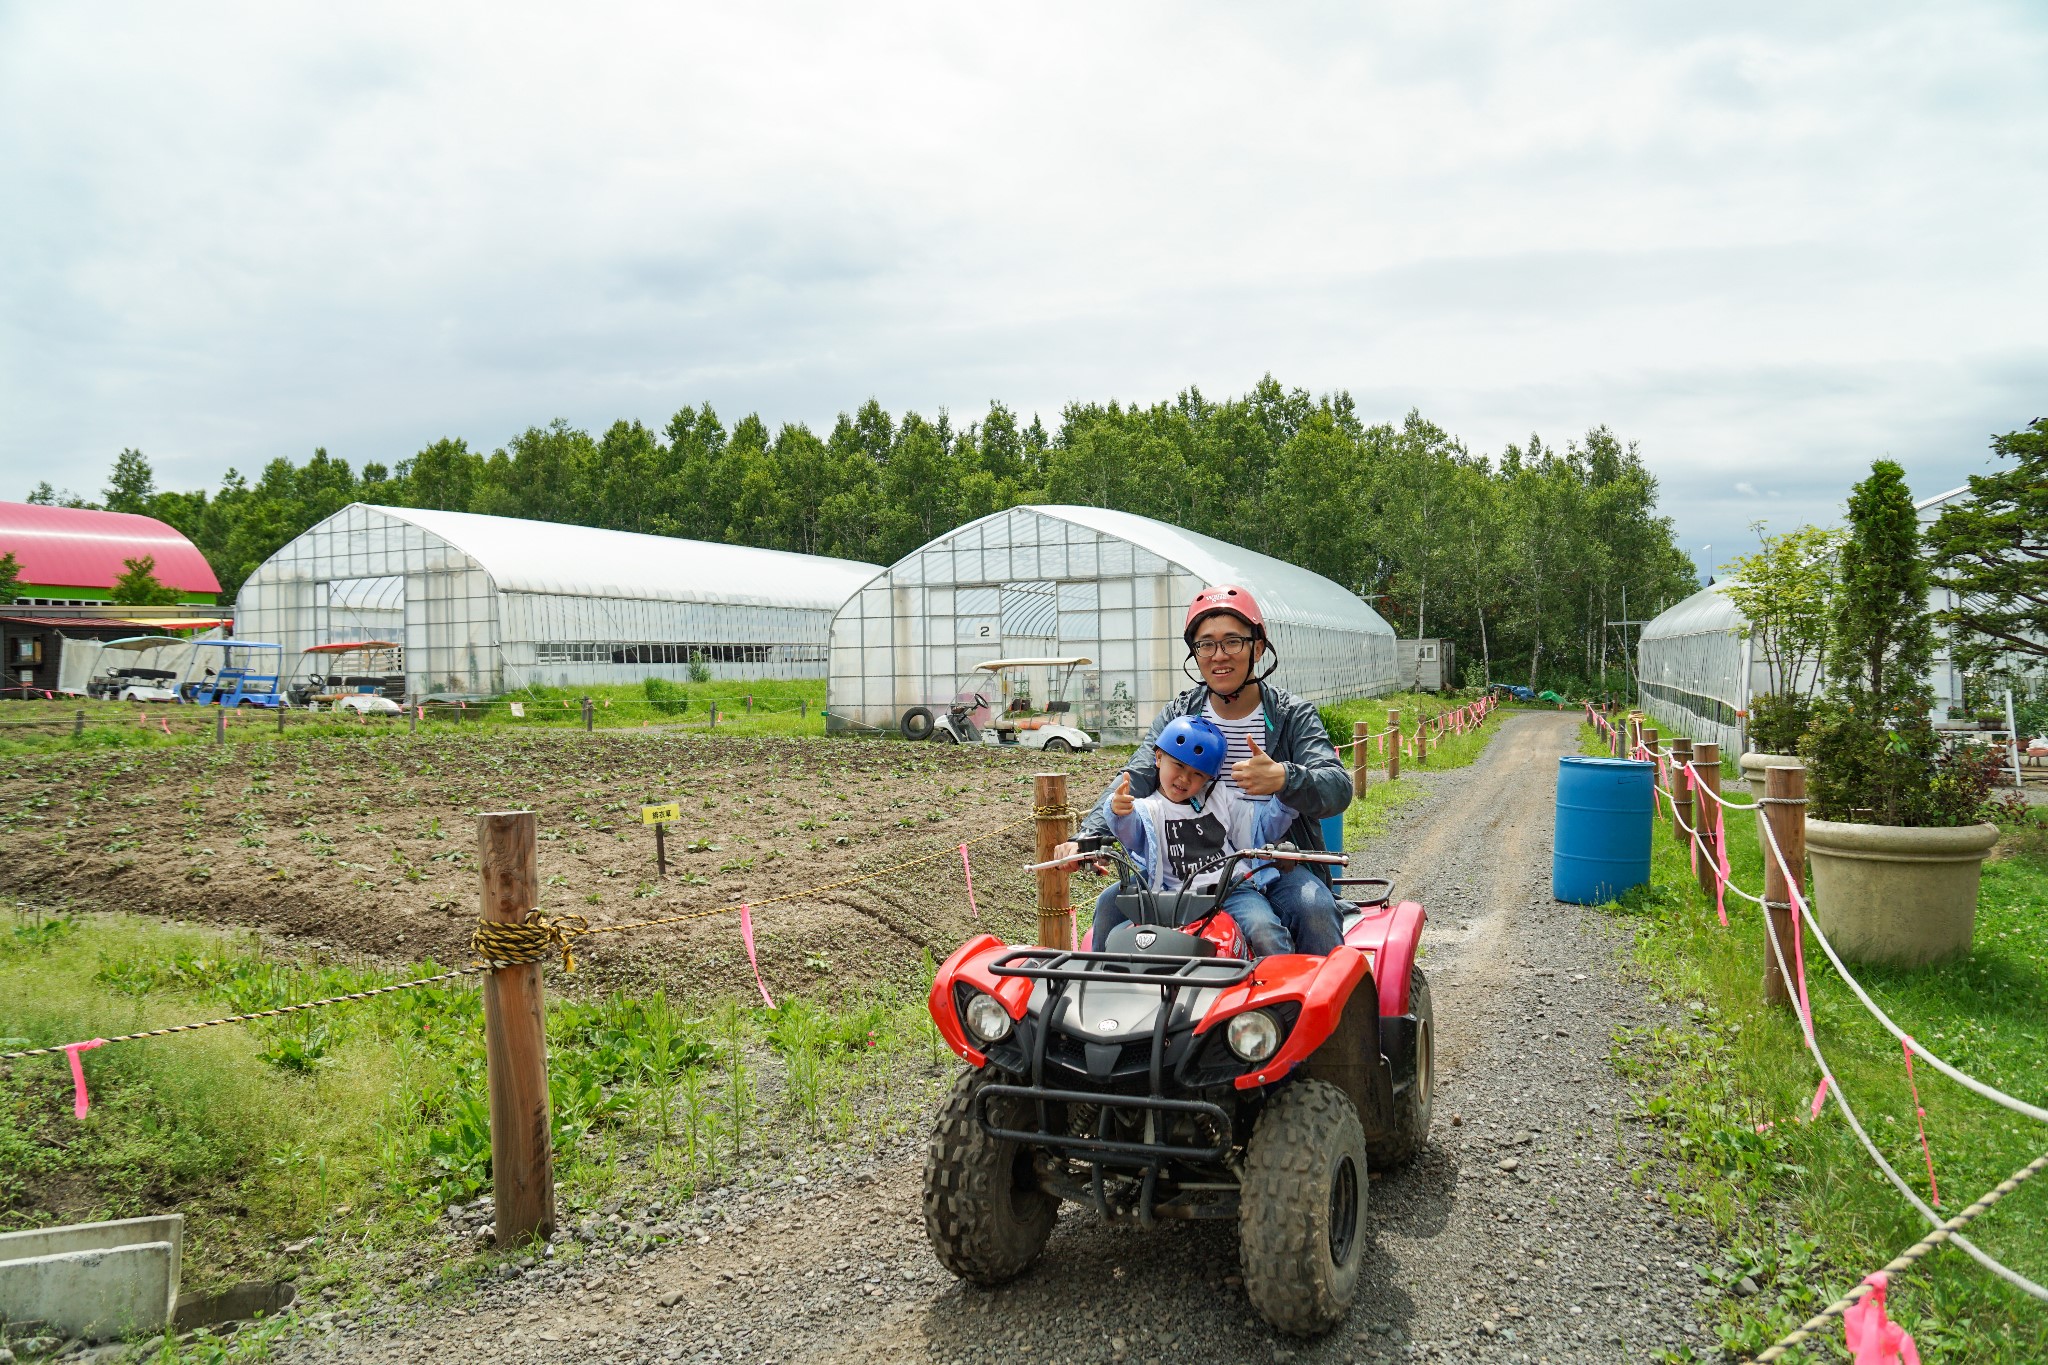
[{"x": 660, "y": 815}]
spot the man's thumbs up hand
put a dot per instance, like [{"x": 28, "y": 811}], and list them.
[{"x": 1259, "y": 775}]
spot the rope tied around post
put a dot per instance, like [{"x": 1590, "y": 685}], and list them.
[
  {"x": 535, "y": 937},
  {"x": 1062, "y": 811}
]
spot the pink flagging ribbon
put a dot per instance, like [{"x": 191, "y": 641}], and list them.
[
  {"x": 1799, "y": 954},
  {"x": 80, "y": 1101},
  {"x": 967, "y": 870},
  {"x": 1721, "y": 869},
  {"x": 1820, "y": 1097},
  {"x": 1920, "y": 1117},
  {"x": 747, "y": 937},
  {"x": 1692, "y": 841},
  {"x": 166, "y": 723},
  {"x": 1873, "y": 1338}
]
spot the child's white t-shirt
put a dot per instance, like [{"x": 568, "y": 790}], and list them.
[{"x": 1170, "y": 838}]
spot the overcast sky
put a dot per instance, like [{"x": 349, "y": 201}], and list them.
[{"x": 1767, "y": 242}]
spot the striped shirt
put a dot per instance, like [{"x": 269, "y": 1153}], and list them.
[{"x": 1240, "y": 733}]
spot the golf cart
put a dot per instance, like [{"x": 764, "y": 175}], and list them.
[
  {"x": 1011, "y": 719},
  {"x": 1164, "y": 1074},
  {"x": 363, "y": 676},
  {"x": 246, "y": 675},
  {"x": 125, "y": 678}
]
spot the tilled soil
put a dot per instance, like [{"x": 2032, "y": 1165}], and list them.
[
  {"x": 368, "y": 848},
  {"x": 1526, "y": 1231}
]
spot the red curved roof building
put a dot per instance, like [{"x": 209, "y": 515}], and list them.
[{"x": 74, "y": 554}]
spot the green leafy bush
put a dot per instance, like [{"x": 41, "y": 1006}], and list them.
[
  {"x": 1777, "y": 721},
  {"x": 667, "y": 697}
]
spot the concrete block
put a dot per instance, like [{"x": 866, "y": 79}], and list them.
[{"x": 95, "y": 1280}]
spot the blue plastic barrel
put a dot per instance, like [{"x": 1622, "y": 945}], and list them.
[
  {"x": 1333, "y": 833},
  {"x": 1604, "y": 815}
]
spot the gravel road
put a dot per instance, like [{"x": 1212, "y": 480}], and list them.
[{"x": 1524, "y": 1232}]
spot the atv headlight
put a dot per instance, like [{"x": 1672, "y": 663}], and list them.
[
  {"x": 1253, "y": 1036},
  {"x": 986, "y": 1018}
]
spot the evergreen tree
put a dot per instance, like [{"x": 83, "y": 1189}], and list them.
[
  {"x": 139, "y": 586},
  {"x": 1991, "y": 550}
]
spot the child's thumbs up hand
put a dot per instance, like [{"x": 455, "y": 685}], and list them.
[
  {"x": 1259, "y": 775},
  {"x": 1121, "y": 802}
]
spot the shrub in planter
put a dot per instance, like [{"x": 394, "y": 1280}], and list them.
[
  {"x": 1892, "y": 830},
  {"x": 1778, "y": 721}
]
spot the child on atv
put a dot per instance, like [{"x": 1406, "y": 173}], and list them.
[{"x": 1195, "y": 819}]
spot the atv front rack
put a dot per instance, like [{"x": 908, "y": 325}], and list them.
[
  {"x": 1059, "y": 968},
  {"x": 1059, "y": 964}
]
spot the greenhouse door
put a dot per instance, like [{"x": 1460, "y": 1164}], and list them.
[
  {"x": 347, "y": 609},
  {"x": 1031, "y": 619}
]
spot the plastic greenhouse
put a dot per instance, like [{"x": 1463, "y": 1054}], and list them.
[
  {"x": 1696, "y": 671},
  {"x": 1047, "y": 581},
  {"x": 487, "y": 604}
]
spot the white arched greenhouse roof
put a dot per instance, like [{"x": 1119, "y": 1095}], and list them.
[
  {"x": 1693, "y": 669},
  {"x": 1108, "y": 585},
  {"x": 552, "y": 557},
  {"x": 487, "y": 604}
]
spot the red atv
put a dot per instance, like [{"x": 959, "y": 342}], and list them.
[{"x": 1169, "y": 1076}]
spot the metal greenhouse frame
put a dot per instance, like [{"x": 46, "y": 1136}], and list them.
[
  {"x": 1053, "y": 580},
  {"x": 487, "y": 604}
]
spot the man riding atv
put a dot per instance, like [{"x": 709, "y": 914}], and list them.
[
  {"x": 1277, "y": 747},
  {"x": 1173, "y": 1072}
]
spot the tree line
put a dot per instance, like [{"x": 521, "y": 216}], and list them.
[{"x": 1521, "y": 559}]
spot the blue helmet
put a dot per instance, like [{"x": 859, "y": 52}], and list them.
[{"x": 1193, "y": 740}]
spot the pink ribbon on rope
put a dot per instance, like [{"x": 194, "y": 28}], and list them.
[
  {"x": 80, "y": 1101},
  {"x": 1920, "y": 1117},
  {"x": 747, "y": 937},
  {"x": 1820, "y": 1097},
  {"x": 1872, "y": 1338},
  {"x": 967, "y": 870},
  {"x": 1721, "y": 869}
]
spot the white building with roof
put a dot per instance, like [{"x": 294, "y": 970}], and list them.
[
  {"x": 488, "y": 604},
  {"x": 1110, "y": 586}
]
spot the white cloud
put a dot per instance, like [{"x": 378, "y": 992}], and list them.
[{"x": 1765, "y": 244}]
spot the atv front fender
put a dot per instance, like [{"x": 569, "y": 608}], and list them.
[{"x": 1322, "y": 985}]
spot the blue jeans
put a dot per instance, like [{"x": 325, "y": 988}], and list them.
[{"x": 1294, "y": 914}]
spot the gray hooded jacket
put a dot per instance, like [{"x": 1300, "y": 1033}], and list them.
[{"x": 1317, "y": 783}]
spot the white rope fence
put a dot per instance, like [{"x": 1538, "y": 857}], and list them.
[{"x": 1711, "y": 844}]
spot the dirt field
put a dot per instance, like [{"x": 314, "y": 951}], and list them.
[
  {"x": 1528, "y": 1231},
  {"x": 367, "y": 849}
]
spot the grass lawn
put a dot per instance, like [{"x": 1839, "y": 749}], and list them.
[
  {"x": 326, "y": 1147},
  {"x": 1804, "y": 1210}
]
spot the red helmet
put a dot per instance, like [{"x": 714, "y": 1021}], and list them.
[{"x": 1235, "y": 600}]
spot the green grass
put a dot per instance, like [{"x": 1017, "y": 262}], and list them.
[
  {"x": 1804, "y": 1211},
  {"x": 356, "y": 1125}
]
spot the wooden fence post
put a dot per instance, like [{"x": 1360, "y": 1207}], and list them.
[
  {"x": 1394, "y": 744},
  {"x": 1706, "y": 760},
  {"x": 1421, "y": 743},
  {"x": 1361, "y": 758},
  {"x": 78, "y": 725},
  {"x": 714, "y": 715},
  {"x": 1055, "y": 894},
  {"x": 515, "y": 1039},
  {"x": 1681, "y": 791},
  {"x": 220, "y": 725},
  {"x": 1648, "y": 736},
  {"x": 1784, "y": 808},
  {"x": 589, "y": 715}
]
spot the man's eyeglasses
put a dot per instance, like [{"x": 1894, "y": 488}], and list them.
[{"x": 1229, "y": 646}]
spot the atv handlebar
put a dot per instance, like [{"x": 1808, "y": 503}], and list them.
[{"x": 1091, "y": 847}]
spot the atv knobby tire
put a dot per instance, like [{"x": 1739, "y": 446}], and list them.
[
  {"x": 983, "y": 1210},
  {"x": 1301, "y": 1219},
  {"x": 1410, "y": 1128}
]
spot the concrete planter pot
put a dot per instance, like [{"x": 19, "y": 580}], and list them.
[
  {"x": 1753, "y": 766},
  {"x": 1893, "y": 895}
]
